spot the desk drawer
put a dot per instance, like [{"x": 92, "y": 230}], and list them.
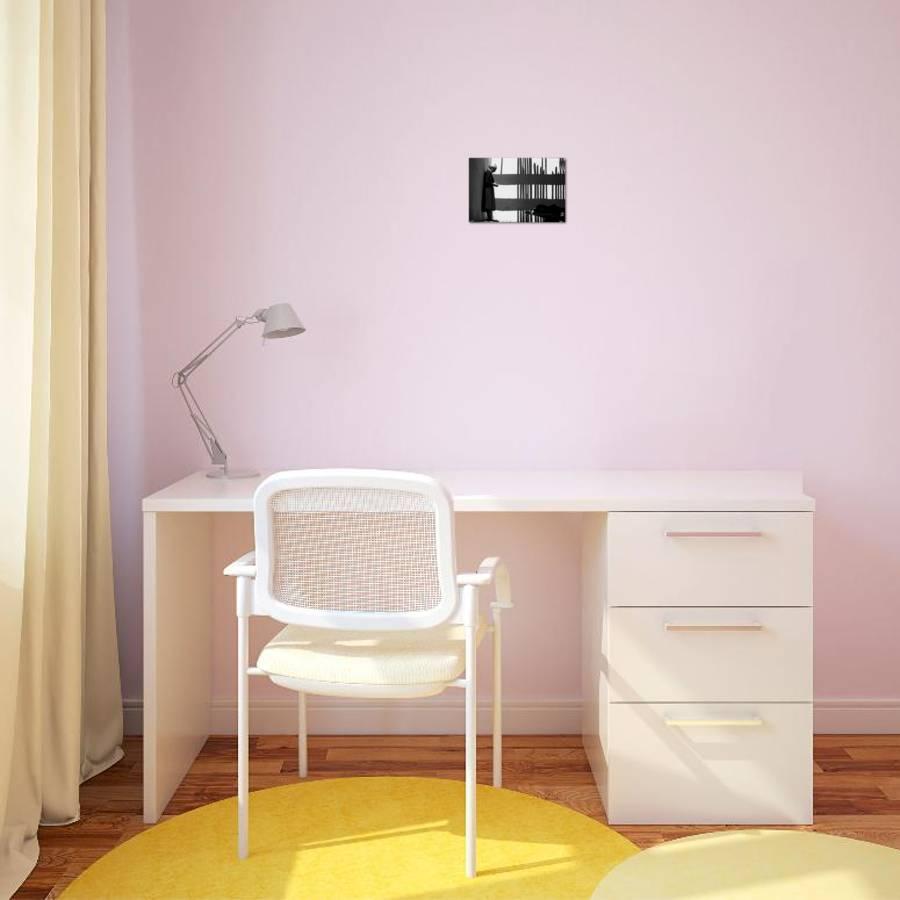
[
  {"x": 709, "y": 559},
  {"x": 683, "y": 654},
  {"x": 723, "y": 764}
]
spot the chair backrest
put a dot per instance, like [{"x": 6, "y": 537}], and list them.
[{"x": 354, "y": 549}]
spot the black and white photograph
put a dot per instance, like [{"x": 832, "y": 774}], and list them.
[{"x": 514, "y": 189}]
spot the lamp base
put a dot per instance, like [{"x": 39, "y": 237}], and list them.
[{"x": 228, "y": 473}]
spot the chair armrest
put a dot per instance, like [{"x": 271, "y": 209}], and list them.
[
  {"x": 245, "y": 566},
  {"x": 491, "y": 571}
]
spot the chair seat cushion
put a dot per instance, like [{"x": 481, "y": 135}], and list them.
[{"x": 334, "y": 656}]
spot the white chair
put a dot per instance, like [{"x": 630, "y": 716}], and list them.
[{"x": 360, "y": 565}]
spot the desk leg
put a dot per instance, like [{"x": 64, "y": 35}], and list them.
[
  {"x": 177, "y": 588},
  {"x": 594, "y": 650}
]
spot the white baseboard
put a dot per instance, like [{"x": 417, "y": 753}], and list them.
[
  {"x": 444, "y": 716},
  {"x": 857, "y": 716},
  {"x": 334, "y": 716}
]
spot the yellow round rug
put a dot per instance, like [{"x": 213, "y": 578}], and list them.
[
  {"x": 363, "y": 837},
  {"x": 757, "y": 865}
]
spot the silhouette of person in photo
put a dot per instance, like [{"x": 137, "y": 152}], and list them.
[{"x": 488, "y": 202}]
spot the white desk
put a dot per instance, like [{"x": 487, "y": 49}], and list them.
[{"x": 179, "y": 573}]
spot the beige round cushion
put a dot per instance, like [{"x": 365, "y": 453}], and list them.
[{"x": 757, "y": 865}]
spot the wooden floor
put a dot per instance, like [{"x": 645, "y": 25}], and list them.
[{"x": 857, "y": 787}]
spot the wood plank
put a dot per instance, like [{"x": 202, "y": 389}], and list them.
[
  {"x": 879, "y": 754},
  {"x": 856, "y": 740},
  {"x": 890, "y": 787},
  {"x": 856, "y": 787}
]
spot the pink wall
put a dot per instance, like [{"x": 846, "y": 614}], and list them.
[{"x": 726, "y": 293}]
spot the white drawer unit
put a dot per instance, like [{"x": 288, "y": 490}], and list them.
[
  {"x": 704, "y": 763},
  {"x": 697, "y": 663},
  {"x": 710, "y": 559},
  {"x": 724, "y": 654}
]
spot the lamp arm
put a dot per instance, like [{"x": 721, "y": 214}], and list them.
[
  {"x": 211, "y": 347},
  {"x": 180, "y": 380},
  {"x": 217, "y": 455}
]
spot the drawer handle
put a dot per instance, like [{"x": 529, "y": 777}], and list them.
[
  {"x": 735, "y": 626},
  {"x": 751, "y": 722},
  {"x": 712, "y": 534}
]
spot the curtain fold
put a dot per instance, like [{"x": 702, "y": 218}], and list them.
[{"x": 60, "y": 700}]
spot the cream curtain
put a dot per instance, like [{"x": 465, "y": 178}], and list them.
[{"x": 60, "y": 703}]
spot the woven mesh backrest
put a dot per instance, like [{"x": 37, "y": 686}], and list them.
[{"x": 354, "y": 550}]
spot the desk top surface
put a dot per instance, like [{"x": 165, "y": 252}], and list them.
[{"x": 545, "y": 491}]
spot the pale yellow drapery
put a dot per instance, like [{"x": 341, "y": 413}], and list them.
[{"x": 60, "y": 702}]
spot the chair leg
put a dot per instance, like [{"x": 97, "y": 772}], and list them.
[
  {"x": 302, "y": 757},
  {"x": 243, "y": 738},
  {"x": 497, "y": 742},
  {"x": 471, "y": 737}
]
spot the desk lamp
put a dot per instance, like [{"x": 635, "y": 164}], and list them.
[{"x": 279, "y": 321}]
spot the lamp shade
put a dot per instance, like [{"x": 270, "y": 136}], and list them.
[{"x": 281, "y": 321}]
